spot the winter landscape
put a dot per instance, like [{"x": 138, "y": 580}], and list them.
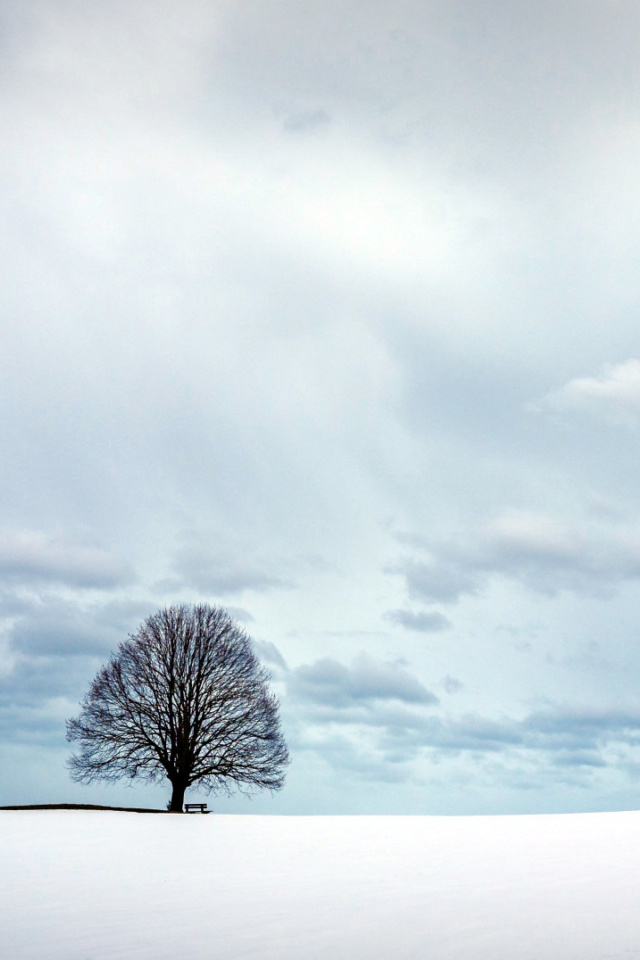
[
  {"x": 319, "y": 324},
  {"x": 98, "y": 885}
]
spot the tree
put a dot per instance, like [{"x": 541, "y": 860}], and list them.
[{"x": 184, "y": 698}]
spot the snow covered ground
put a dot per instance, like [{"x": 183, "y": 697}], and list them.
[{"x": 85, "y": 885}]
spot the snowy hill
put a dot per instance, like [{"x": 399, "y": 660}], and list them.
[{"x": 85, "y": 885}]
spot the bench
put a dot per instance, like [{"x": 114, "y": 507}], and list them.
[{"x": 192, "y": 807}]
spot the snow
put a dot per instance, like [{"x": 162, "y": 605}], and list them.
[{"x": 96, "y": 885}]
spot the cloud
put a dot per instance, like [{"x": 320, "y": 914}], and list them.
[
  {"x": 360, "y": 717},
  {"x": 74, "y": 636},
  {"x": 240, "y": 614},
  {"x": 50, "y": 626},
  {"x": 55, "y": 645},
  {"x": 555, "y": 745},
  {"x": 40, "y": 691},
  {"x": 544, "y": 553},
  {"x": 422, "y": 621},
  {"x": 224, "y": 573},
  {"x": 437, "y": 581},
  {"x": 548, "y": 554},
  {"x": 555, "y": 736},
  {"x": 54, "y": 627},
  {"x": 579, "y": 729},
  {"x": 36, "y": 680},
  {"x": 305, "y": 120},
  {"x": 613, "y": 396},
  {"x": 269, "y": 654},
  {"x": 348, "y": 759},
  {"x": 564, "y": 732},
  {"x": 330, "y": 683},
  {"x": 40, "y": 721},
  {"x": 452, "y": 684},
  {"x": 29, "y": 557}
]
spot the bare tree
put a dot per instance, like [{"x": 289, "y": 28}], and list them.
[{"x": 184, "y": 698}]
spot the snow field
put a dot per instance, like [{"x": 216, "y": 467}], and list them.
[{"x": 80, "y": 885}]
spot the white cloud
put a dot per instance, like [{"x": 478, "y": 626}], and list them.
[
  {"x": 421, "y": 621},
  {"x": 544, "y": 553},
  {"x": 438, "y": 580},
  {"x": 223, "y": 573},
  {"x": 614, "y": 395},
  {"x": 366, "y": 682},
  {"x": 549, "y": 554},
  {"x": 30, "y": 557}
]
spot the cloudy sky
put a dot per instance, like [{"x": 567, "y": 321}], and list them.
[{"x": 329, "y": 313}]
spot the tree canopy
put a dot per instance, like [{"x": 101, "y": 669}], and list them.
[{"x": 185, "y": 698}]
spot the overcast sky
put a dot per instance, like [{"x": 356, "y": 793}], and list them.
[{"x": 329, "y": 313}]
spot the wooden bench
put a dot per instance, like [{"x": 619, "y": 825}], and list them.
[{"x": 192, "y": 807}]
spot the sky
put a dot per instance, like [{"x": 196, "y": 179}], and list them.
[{"x": 328, "y": 314}]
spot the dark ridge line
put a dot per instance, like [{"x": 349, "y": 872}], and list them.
[{"x": 82, "y": 806}]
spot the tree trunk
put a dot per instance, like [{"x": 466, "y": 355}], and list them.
[{"x": 177, "y": 797}]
